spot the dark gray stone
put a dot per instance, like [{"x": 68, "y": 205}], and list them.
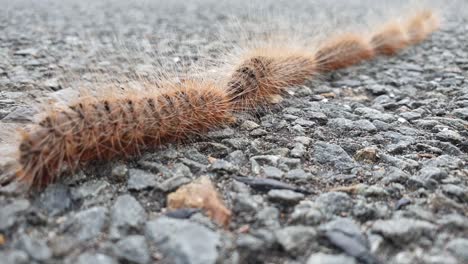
[
  {"x": 459, "y": 193},
  {"x": 334, "y": 202},
  {"x": 244, "y": 202},
  {"x": 289, "y": 163},
  {"x": 449, "y": 135},
  {"x": 303, "y": 140},
  {"x": 269, "y": 217},
  {"x": 411, "y": 115},
  {"x": 10, "y": 211},
  {"x": 89, "y": 189},
  {"x": 304, "y": 123},
  {"x": 364, "y": 125},
  {"x": 345, "y": 125},
  {"x": 285, "y": 196},
  {"x": 87, "y": 224},
  {"x": 180, "y": 170},
  {"x": 319, "y": 117},
  {"x": 222, "y": 133},
  {"x": 250, "y": 243},
  {"x": 347, "y": 236},
  {"x": 340, "y": 123},
  {"x": 394, "y": 174},
  {"x": 374, "y": 191},
  {"x": 27, "y": 52},
  {"x": 237, "y": 157},
  {"x": 272, "y": 172},
  {"x": 249, "y": 125},
  {"x": 334, "y": 155},
  {"x": 348, "y": 82},
  {"x": 297, "y": 174},
  {"x": 461, "y": 113},
  {"x": 14, "y": 257},
  {"x": 348, "y": 227},
  {"x": 458, "y": 248},
  {"x": 298, "y": 151},
  {"x": 258, "y": 132},
  {"x": 193, "y": 165},
  {"x": 403, "y": 230},
  {"x": 36, "y": 248},
  {"x": 97, "y": 258},
  {"x": 373, "y": 114},
  {"x": 453, "y": 222},
  {"x": 21, "y": 114},
  {"x": 183, "y": 241},
  {"x": 296, "y": 239},
  {"x": 402, "y": 203},
  {"x": 428, "y": 177},
  {"x": 127, "y": 214},
  {"x": 306, "y": 213},
  {"x": 133, "y": 249},
  {"x": 433, "y": 173},
  {"x": 443, "y": 258},
  {"x": 223, "y": 166},
  {"x": 258, "y": 161},
  {"x": 140, "y": 180},
  {"x": 62, "y": 245},
  {"x": 173, "y": 183},
  {"x": 322, "y": 258},
  {"x": 55, "y": 200}
]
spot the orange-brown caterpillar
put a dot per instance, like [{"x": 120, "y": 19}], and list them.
[
  {"x": 103, "y": 129},
  {"x": 266, "y": 73},
  {"x": 396, "y": 36},
  {"x": 421, "y": 25},
  {"x": 106, "y": 128},
  {"x": 344, "y": 51},
  {"x": 349, "y": 49}
]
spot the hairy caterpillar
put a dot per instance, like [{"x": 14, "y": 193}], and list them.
[
  {"x": 344, "y": 51},
  {"x": 101, "y": 129},
  {"x": 349, "y": 49},
  {"x": 266, "y": 73}
]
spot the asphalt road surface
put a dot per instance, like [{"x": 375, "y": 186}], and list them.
[{"x": 376, "y": 154}]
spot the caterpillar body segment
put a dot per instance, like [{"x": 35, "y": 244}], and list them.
[
  {"x": 343, "y": 51},
  {"x": 267, "y": 73}
]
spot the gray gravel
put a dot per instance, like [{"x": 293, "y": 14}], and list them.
[{"x": 376, "y": 174}]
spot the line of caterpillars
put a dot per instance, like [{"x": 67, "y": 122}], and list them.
[{"x": 102, "y": 129}]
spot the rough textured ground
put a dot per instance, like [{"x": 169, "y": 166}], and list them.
[{"x": 377, "y": 153}]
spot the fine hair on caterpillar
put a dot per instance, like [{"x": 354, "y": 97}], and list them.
[
  {"x": 343, "y": 51},
  {"x": 397, "y": 35},
  {"x": 103, "y": 129},
  {"x": 128, "y": 123},
  {"x": 421, "y": 25},
  {"x": 348, "y": 49},
  {"x": 265, "y": 74}
]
